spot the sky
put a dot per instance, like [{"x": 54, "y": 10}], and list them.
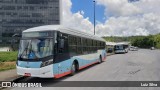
[
  {"x": 113, "y": 17},
  {"x": 87, "y": 6}
]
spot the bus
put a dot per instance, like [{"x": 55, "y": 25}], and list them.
[
  {"x": 121, "y": 48},
  {"x": 53, "y": 51}
]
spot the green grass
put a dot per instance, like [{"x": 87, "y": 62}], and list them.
[
  {"x": 8, "y": 56},
  {"x": 7, "y": 60},
  {"x": 7, "y": 65}
]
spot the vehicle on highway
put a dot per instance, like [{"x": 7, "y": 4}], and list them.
[
  {"x": 126, "y": 48},
  {"x": 120, "y": 49},
  {"x": 132, "y": 48},
  {"x": 136, "y": 48},
  {"x": 152, "y": 48},
  {"x": 55, "y": 51}
]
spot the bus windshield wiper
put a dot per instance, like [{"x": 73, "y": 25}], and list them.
[
  {"x": 31, "y": 50},
  {"x": 24, "y": 50}
]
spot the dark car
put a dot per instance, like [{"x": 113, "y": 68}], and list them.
[{"x": 110, "y": 50}]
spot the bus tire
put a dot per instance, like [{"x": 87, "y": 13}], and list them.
[
  {"x": 100, "y": 59},
  {"x": 73, "y": 69}
]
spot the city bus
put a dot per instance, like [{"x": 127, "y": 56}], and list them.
[
  {"x": 121, "y": 48},
  {"x": 53, "y": 51}
]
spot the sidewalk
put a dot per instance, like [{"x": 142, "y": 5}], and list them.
[
  {"x": 109, "y": 54},
  {"x": 8, "y": 75}
]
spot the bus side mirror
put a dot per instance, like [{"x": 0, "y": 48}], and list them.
[{"x": 17, "y": 35}]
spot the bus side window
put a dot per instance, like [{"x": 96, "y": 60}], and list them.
[{"x": 61, "y": 43}]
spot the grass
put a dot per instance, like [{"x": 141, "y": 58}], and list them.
[
  {"x": 8, "y": 60},
  {"x": 8, "y": 56},
  {"x": 7, "y": 65}
]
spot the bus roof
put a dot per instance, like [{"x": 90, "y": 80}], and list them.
[{"x": 63, "y": 30}]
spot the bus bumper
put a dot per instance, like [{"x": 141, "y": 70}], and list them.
[
  {"x": 120, "y": 51},
  {"x": 44, "y": 72}
]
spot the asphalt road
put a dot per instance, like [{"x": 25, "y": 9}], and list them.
[{"x": 142, "y": 65}]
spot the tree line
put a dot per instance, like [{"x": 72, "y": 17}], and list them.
[{"x": 139, "y": 41}]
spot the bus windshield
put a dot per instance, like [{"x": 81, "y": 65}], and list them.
[
  {"x": 35, "y": 48},
  {"x": 119, "y": 47}
]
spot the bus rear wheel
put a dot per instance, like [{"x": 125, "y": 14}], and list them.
[{"x": 73, "y": 69}]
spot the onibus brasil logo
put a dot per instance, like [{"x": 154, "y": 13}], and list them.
[{"x": 12, "y": 84}]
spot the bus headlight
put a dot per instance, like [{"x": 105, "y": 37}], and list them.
[{"x": 46, "y": 63}]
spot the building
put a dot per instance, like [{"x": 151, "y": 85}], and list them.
[{"x": 18, "y": 15}]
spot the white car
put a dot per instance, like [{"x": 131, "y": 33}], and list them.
[
  {"x": 126, "y": 50},
  {"x": 132, "y": 48},
  {"x": 152, "y": 48}
]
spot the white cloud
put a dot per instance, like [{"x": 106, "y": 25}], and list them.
[
  {"x": 128, "y": 19},
  {"x": 82, "y": 12},
  {"x": 75, "y": 20},
  {"x": 122, "y": 18},
  {"x": 119, "y": 7},
  {"x": 130, "y": 26},
  {"x": 149, "y": 6}
]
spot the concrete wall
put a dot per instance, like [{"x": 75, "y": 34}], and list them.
[{"x": 5, "y": 49}]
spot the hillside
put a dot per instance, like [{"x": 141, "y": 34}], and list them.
[{"x": 139, "y": 41}]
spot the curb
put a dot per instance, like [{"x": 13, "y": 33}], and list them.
[{"x": 110, "y": 54}]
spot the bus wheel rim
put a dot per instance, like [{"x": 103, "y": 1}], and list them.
[{"x": 73, "y": 68}]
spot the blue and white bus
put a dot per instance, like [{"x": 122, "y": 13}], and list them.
[
  {"x": 54, "y": 51},
  {"x": 121, "y": 48}
]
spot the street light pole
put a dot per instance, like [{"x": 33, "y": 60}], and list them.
[{"x": 94, "y": 17}]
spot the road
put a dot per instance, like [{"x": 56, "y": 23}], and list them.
[{"x": 142, "y": 65}]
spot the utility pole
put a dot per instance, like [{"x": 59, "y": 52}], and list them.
[{"x": 94, "y": 17}]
